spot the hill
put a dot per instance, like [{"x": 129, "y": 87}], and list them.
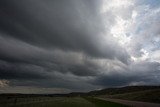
[
  {"x": 122, "y": 90},
  {"x": 145, "y": 96}
]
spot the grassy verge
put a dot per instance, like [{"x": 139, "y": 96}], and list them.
[
  {"x": 60, "y": 102},
  {"x": 55, "y": 102},
  {"x": 146, "y": 96},
  {"x": 102, "y": 103}
]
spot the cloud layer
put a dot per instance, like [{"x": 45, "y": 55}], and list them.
[{"x": 61, "y": 44}]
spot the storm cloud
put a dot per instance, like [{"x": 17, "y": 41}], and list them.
[{"x": 59, "y": 44}]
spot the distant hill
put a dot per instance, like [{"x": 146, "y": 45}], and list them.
[
  {"x": 122, "y": 90},
  {"x": 108, "y": 91},
  {"x": 135, "y": 93},
  {"x": 145, "y": 96}
]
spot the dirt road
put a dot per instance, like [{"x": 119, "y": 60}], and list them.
[{"x": 132, "y": 103}]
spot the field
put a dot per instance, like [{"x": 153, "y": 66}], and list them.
[
  {"x": 56, "y": 102},
  {"x": 79, "y": 99},
  {"x": 133, "y": 93},
  {"x": 145, "y": 96}
]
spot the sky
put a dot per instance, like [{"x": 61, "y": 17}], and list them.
[{"x": 61, "y": 46}]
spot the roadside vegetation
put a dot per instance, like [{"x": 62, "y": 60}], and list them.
[
  {"x": 80, "y": 99},
  {"x": 102, "y": 103},
  {"x": 145, "y": 96},
  {"x": 57, "y": 102}
]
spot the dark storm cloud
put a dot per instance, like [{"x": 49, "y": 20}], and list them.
[
  {"x": 68, "y": 25},
  {"x": 14, "y": 51},
  {"x": 143, "y": 73},
  {"x": 21, "y": 71},
  {"x": 28, "y": 33},
  {"x": 59, "y": 43}
]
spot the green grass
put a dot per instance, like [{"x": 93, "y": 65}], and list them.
[
  {"x": 146, "y": 96},
  {"x": 102, "y": 103},
  {"x": 60, "y": 102}
]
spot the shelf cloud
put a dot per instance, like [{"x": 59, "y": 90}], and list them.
[{"x": 57, "y": 46}]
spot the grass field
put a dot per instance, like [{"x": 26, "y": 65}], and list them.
[
  {"x": 58, "y": 102},
  {"x": 102, "y": 103},
  {"x": 145, "y": 96},
  {"x": 135, "y": 93}
]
